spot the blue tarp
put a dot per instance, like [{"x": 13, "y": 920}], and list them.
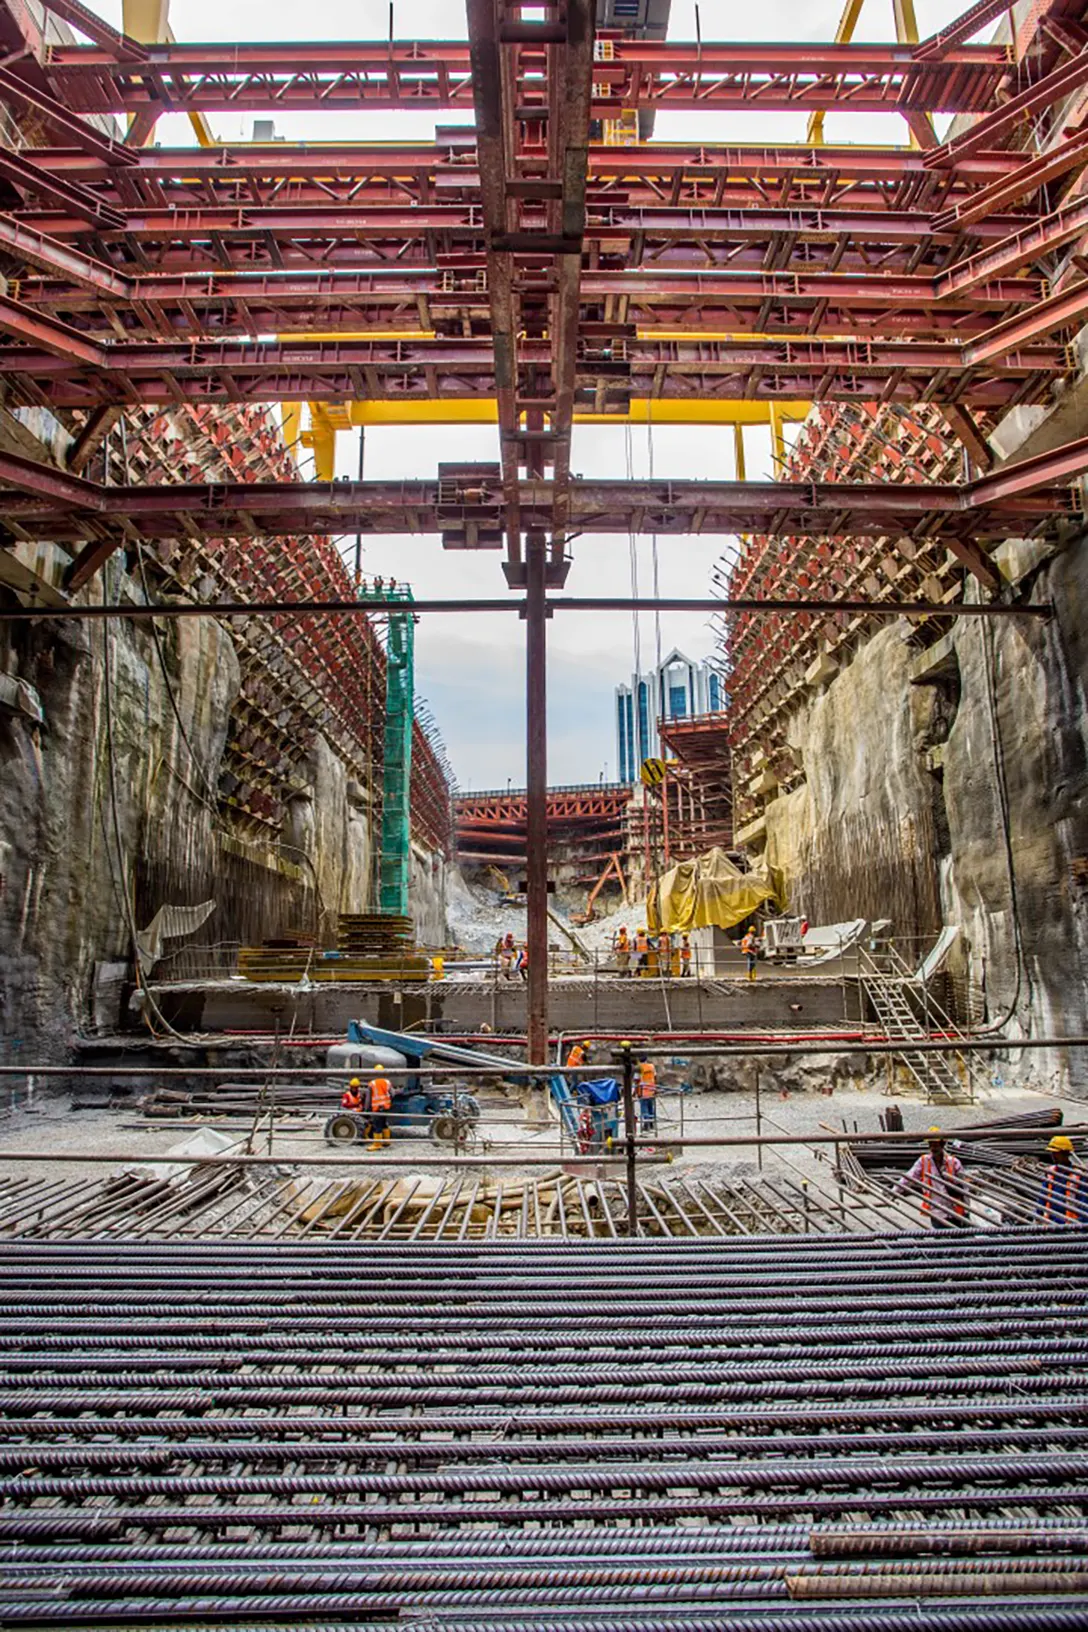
[{"x": 605, "y": 1091}]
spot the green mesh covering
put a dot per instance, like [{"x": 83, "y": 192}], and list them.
[{"x": 397, "y": 755}]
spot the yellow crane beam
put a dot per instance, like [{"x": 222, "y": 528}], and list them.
[
  {"x": 327, "y": 418},
  {"x": 906, "y": 33}
]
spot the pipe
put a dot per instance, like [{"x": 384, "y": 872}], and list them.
[{"x": 558, "y": 603}]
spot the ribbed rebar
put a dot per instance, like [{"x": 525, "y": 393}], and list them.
[{"x": 667, "y": 1437}]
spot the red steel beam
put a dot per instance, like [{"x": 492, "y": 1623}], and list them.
[
  {"x": 1061, "y": 311},
  {"x": 1025, "y": 476},
  {"x": 606, "y": 224},
  {"x": 453, "y": 163},
  {"x": 1028, "y": 244},
  {"x": 388, "y": 74},
  {"x": 1069, "y": 155},
  {"x": 59, "y": 117},
  {"x": 1061, "y": 82},
  {"x": 964, "y": 28}
]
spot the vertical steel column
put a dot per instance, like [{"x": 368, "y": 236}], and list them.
[
  {"x": 629, "y": 1137},
  {"x": 536, "y": 793}
]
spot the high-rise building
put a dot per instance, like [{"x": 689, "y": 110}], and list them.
[{"x": 676, "y": 690}]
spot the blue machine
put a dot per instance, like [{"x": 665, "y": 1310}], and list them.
[
  {"x": 599, "y": 1117},
  {"x": 370, "y": 1047},
  {"x": 416, "y": 1109}
]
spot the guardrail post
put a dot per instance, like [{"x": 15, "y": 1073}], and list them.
[{"x": 629, "y": 1136}]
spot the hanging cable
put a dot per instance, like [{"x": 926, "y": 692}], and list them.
[{"x": 632, "y": 545}]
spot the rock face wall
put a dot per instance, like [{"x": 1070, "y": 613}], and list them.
[
  {"x": 952, "y": 786},
  {"x": 108, "y": 811},
  {"x": 857, "y": 839}
]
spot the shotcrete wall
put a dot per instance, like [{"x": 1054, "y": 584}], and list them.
[
  {"x": 112, "y": 798},
  {"x": 952, "y": 786}
]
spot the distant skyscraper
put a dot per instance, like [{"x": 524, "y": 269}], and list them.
[{"x": 675, "y": 691}]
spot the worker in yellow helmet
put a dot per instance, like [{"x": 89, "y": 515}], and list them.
[
  {"x": 381, "y": 1103},
  {"x": 642, "y": 950},
  {"x": 579, "y": 1055},
  {"x": 1063, "y": 1194},
  {"x": 352, "y": 1097}
]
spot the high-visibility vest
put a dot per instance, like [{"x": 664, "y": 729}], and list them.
[
  {"x": 931, "y": 1173},
  {"x": 622, "y": 943},
  {"x": 647, "y": 1079},
  {"x": 350, "y": 1101},
  {"x": 663, "y": 943},
  {"x": 577, "y": 1056},
  {"x": 1068, "y": 1204},
  {"x": 685, "y": 954},
  {"x": 749, "y": 944},
  {"x": 642, "y": 943},
  {"x": 381, "y": 1094}
]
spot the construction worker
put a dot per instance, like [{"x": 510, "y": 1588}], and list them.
[
  {"x": 642, "y": 950},
  {"x": 523, "y": 960},
  {"x": 622, "y": 947},
  {"x": 750, "y": 946},
  {"x": 438, "y": 967},
  {"x": 664, "y": 953},
  {"x": 381, "y": 1103},
  {"x": 1063, "y": 1195},
  {"x": 579, "y": 1055},
  {"x": 352, "y": 1097},
  {"x": 507, "y": 953},
  {"x": 647, "y": 1095},
  {"x": 685, "y": 955},
  {"x": 943, "y": 1184}
]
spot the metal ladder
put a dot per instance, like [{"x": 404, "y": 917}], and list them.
[{"x": 888, "y": 991}]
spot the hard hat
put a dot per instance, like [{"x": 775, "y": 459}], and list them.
[
  {"x": 642, "y": 929},
  {"x": 355, "y": 1083},
  {"x": 936, "y": 1131},
  {"x": 586, "y": 1044},
  {"x": 1061, "y": 1141}
]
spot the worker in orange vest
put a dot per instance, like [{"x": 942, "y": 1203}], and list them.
[
  {"x": 647, "y": 1095},
  {"x": 352, "y": 1098},
  {"x": 750, "y": 947},
  {"x": 1063, "y": 1195},
  {"x": 579, "y": 1055},
  {"x": 685, "y": 956},
  {"x": 623, "y": 951},
  {"x": 381, "y": 1103},
  {"x": 642, "y": 950},
  {"x": 943, "y": 1183},
  {"x": 664, "y": 953}
]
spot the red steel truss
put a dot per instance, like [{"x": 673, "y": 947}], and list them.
[
  {"x": 547, "y": 259},
  {"x": 587, "y": 824},
  {"x": 698, "y": 788}
]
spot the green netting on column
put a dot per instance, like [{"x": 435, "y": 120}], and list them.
[{"x": 397, "y": 757}]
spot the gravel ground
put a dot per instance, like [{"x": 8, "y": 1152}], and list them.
[{"x": 47, "y": 1127}]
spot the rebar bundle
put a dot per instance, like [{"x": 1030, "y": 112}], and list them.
[{"x": 809, "y": 1434}]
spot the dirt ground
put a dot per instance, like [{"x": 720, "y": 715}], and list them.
[{"x": 47, "y": 1128}]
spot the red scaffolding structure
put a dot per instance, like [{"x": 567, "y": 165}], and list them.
[{"x": 549, "y": 261}]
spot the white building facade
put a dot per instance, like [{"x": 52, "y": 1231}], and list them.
[{"x": 676, "y": 690}]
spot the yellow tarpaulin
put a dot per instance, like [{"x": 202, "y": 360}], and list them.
[{"x": 708, "y": 890}]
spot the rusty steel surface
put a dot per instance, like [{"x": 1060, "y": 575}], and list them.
[{"x": 497, "y": 1434}]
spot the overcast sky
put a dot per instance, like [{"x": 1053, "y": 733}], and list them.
[{"x": 471, "y": 667}]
